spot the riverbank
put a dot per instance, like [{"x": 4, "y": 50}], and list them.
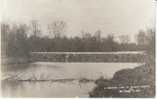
[{"x": 135, "y": 82}]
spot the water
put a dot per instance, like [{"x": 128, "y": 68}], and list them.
[{"x": 58, "y": 79}]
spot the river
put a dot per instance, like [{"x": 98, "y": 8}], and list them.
[{"x": 49, "y": 79}]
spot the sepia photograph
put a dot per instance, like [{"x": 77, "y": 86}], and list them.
[{"x": 77, "y": 48}]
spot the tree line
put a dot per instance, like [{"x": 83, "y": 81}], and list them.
[{"x": 16, "y": 40}]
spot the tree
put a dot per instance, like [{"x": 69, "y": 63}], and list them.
[
  {"x": 151, "y": 37},
  {"x": 57, "y": 28},
  {"x": 141, "y": 38},
  {"x": 21, "y": 40},
  {"x": 151, "y": 41},
  {"x": 17, "y": 44},
  {"x": 109, "y": 44},
  {"x": 35, "y": 28},
  {"x": 5, "y": 30},
  {"x": 97, "y": 35},
  {"x": 124, "y": 39}
]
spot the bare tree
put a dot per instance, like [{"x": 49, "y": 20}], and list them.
[
  {"x": 141, "y": 38},
  {"x": 5, "y": 30},
  {"x": 124, "y": 39},
  {"x": 151, "y": 40},
  {"x": 35, "y": 28},
  {"x": 86, "y": 35},
  {"x": 97, "y": 35},
  {"x": 57, "y": 28}
]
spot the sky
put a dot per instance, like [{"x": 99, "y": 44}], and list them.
[{"x": 118, "y": 17}]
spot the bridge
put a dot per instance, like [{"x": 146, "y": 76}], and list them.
[{"x": 127, "y": 56}]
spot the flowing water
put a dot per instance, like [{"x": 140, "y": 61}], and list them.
[{"x": 49, "y": 79}]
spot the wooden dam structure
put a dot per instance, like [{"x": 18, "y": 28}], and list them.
[{"x": 127, "y": 56}]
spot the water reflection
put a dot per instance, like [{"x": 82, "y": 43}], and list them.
[{"x": 46, "y": 89}]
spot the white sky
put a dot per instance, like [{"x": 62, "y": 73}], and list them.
[{"x": 110, "y": 16}]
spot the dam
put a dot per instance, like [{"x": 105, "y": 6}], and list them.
[{"x": 127, "y": 56}]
